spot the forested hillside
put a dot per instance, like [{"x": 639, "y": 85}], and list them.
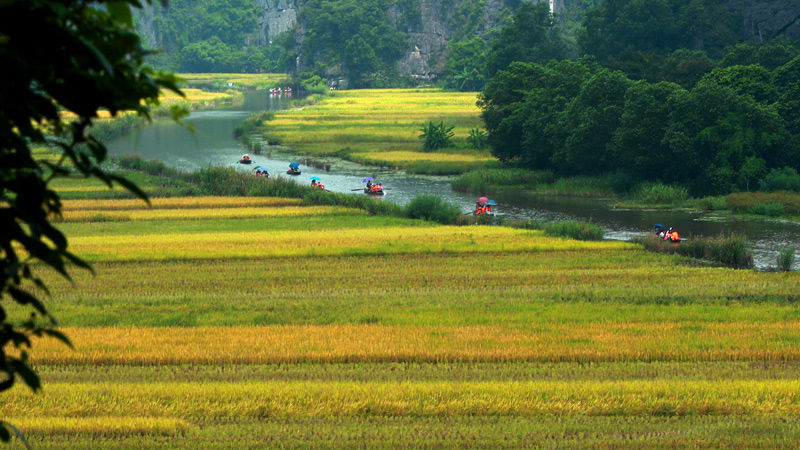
[{"x": 391, "y": 42}]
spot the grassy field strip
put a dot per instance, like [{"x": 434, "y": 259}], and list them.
[
  {"x": 101, "y": 425},
  {"x": 515, "y": 289},
  {"x": 177, "y": 226},
  {"x": 206, "y": 213},
  {"x": 387, "y": 240},
  {"x": 178, "y": 202},
  {"x": 310, "y": 399},
  {"x": 414, "y": 371},
  {"x": 390, "y": 432},
  {"x": 734, "y": 341}
]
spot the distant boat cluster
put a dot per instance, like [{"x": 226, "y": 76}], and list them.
[{"x": 280, "y": 91}]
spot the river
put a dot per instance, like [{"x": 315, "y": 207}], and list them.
[{"x": 212, "y": 143}]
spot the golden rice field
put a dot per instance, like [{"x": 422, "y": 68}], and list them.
[
  {"x": 382, "y": 127},
  {"x": 221, "y": 322}
]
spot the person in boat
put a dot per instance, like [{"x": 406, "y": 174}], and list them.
[
  {"x": 313, "y": 183},
  {"x": 377, "y": 187},
  {"x": 481, "y": 208},
  {"x": 369, "y": 185},
  {"x": 672, "y": 235}
]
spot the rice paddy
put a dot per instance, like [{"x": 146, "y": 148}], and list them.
[
  {"x": 382, "y": 127},
  {"x": 221, "y": 322}
]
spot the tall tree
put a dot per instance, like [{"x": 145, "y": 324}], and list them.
[
  {"x": 532, "y": 36},
  {"x": 58, "y": 56}
]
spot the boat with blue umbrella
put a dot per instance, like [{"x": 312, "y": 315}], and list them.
[
  {"x": 372, "y": 188},
  {"x": 294, "y": 168},
  {"x": 261, "y": 171},
  {"x": 317, "y": 183}
]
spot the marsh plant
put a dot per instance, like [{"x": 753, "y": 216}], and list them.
[{"x": 786, "y": 259}]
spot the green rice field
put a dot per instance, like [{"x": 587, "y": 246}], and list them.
[{"x": 220, "y": 322}]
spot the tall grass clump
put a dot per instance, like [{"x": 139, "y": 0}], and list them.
[
  {"x": 574, "y": 229},
  {"x": 431, "y": 207},
  {"x": 765, "y": 203},
  {"x": 731, "y": 250},
  {"x": 487, "y": 180},
  {"x": 661, "y": 194},
  {"x": 786, "y": 259}
]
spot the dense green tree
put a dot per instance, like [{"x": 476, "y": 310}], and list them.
[
  {"x": 769, "y": 55},
  {"x": 754, "y": 81},
  {"x": 683, "y": 66},
  {"x": 636, "y": 35},
  {"x": 57, "y": 56},
  {"x": 532, "y": 36},
  {"x": 591, "y": 119},
  {"x": 576, "y": 117},
  {"x": 355, "y": 34},
  {"x": 465, "y": 68},
  {"x": 639, "y": 147}
]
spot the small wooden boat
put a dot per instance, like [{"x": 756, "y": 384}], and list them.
[
  {"x": 245, "y": 160},
  {"x": 369, "y": 191},
  {"x": 292, "y": 172}
]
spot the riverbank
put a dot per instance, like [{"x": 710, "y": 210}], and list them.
[
  {"x": 381, "y": 127},
  {"x": 618, "y": 192}
]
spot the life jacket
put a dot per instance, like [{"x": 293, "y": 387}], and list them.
[
  {"x": 675, "y": 236},
  {"x": 488, "y": 209},
  {"x": 480, "y": 210},
  {"x": 668, "y": 236},
  {"x": 321, "y": 186},
  {"x": 376, "y": 187}
]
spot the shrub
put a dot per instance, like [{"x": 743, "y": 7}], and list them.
[
  {"x": 573, "y": 229},
  {"x": 477, "y": 138},
  {"x": 768, "y": 209},
  {"x": 747, "y": 202},
  {"x": 486, "y": 180},
  {"x": 661, "y": 194},
  {"x": 786, "y": 179},
  {"x": 730, "y": 250},
  {"x": 435, "y": 136},
  {"x": 431, "y": 207},
  {"x": 786, "y": 259}
]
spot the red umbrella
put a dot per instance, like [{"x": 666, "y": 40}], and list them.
[{"x": 483, "y": 200}]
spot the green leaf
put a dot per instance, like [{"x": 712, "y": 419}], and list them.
[
  {"x": 120, "y": 12},
  {"x": 132, "y": 187}
]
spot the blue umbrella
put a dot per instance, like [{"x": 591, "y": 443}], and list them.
[
  {"x": 260, "y": 169},
  {"x": 367, "y": 179},
  {"x": 294, "y": 165},
  {"x": 316, "y": 178},
  {"x": 491, "y": 202}
]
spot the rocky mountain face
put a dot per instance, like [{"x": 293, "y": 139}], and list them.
[
  {"x": 765, "y": 19},
  {"x": 762, "y": 19}
]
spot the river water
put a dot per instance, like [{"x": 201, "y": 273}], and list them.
[{"x": 212, "y": 143}]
